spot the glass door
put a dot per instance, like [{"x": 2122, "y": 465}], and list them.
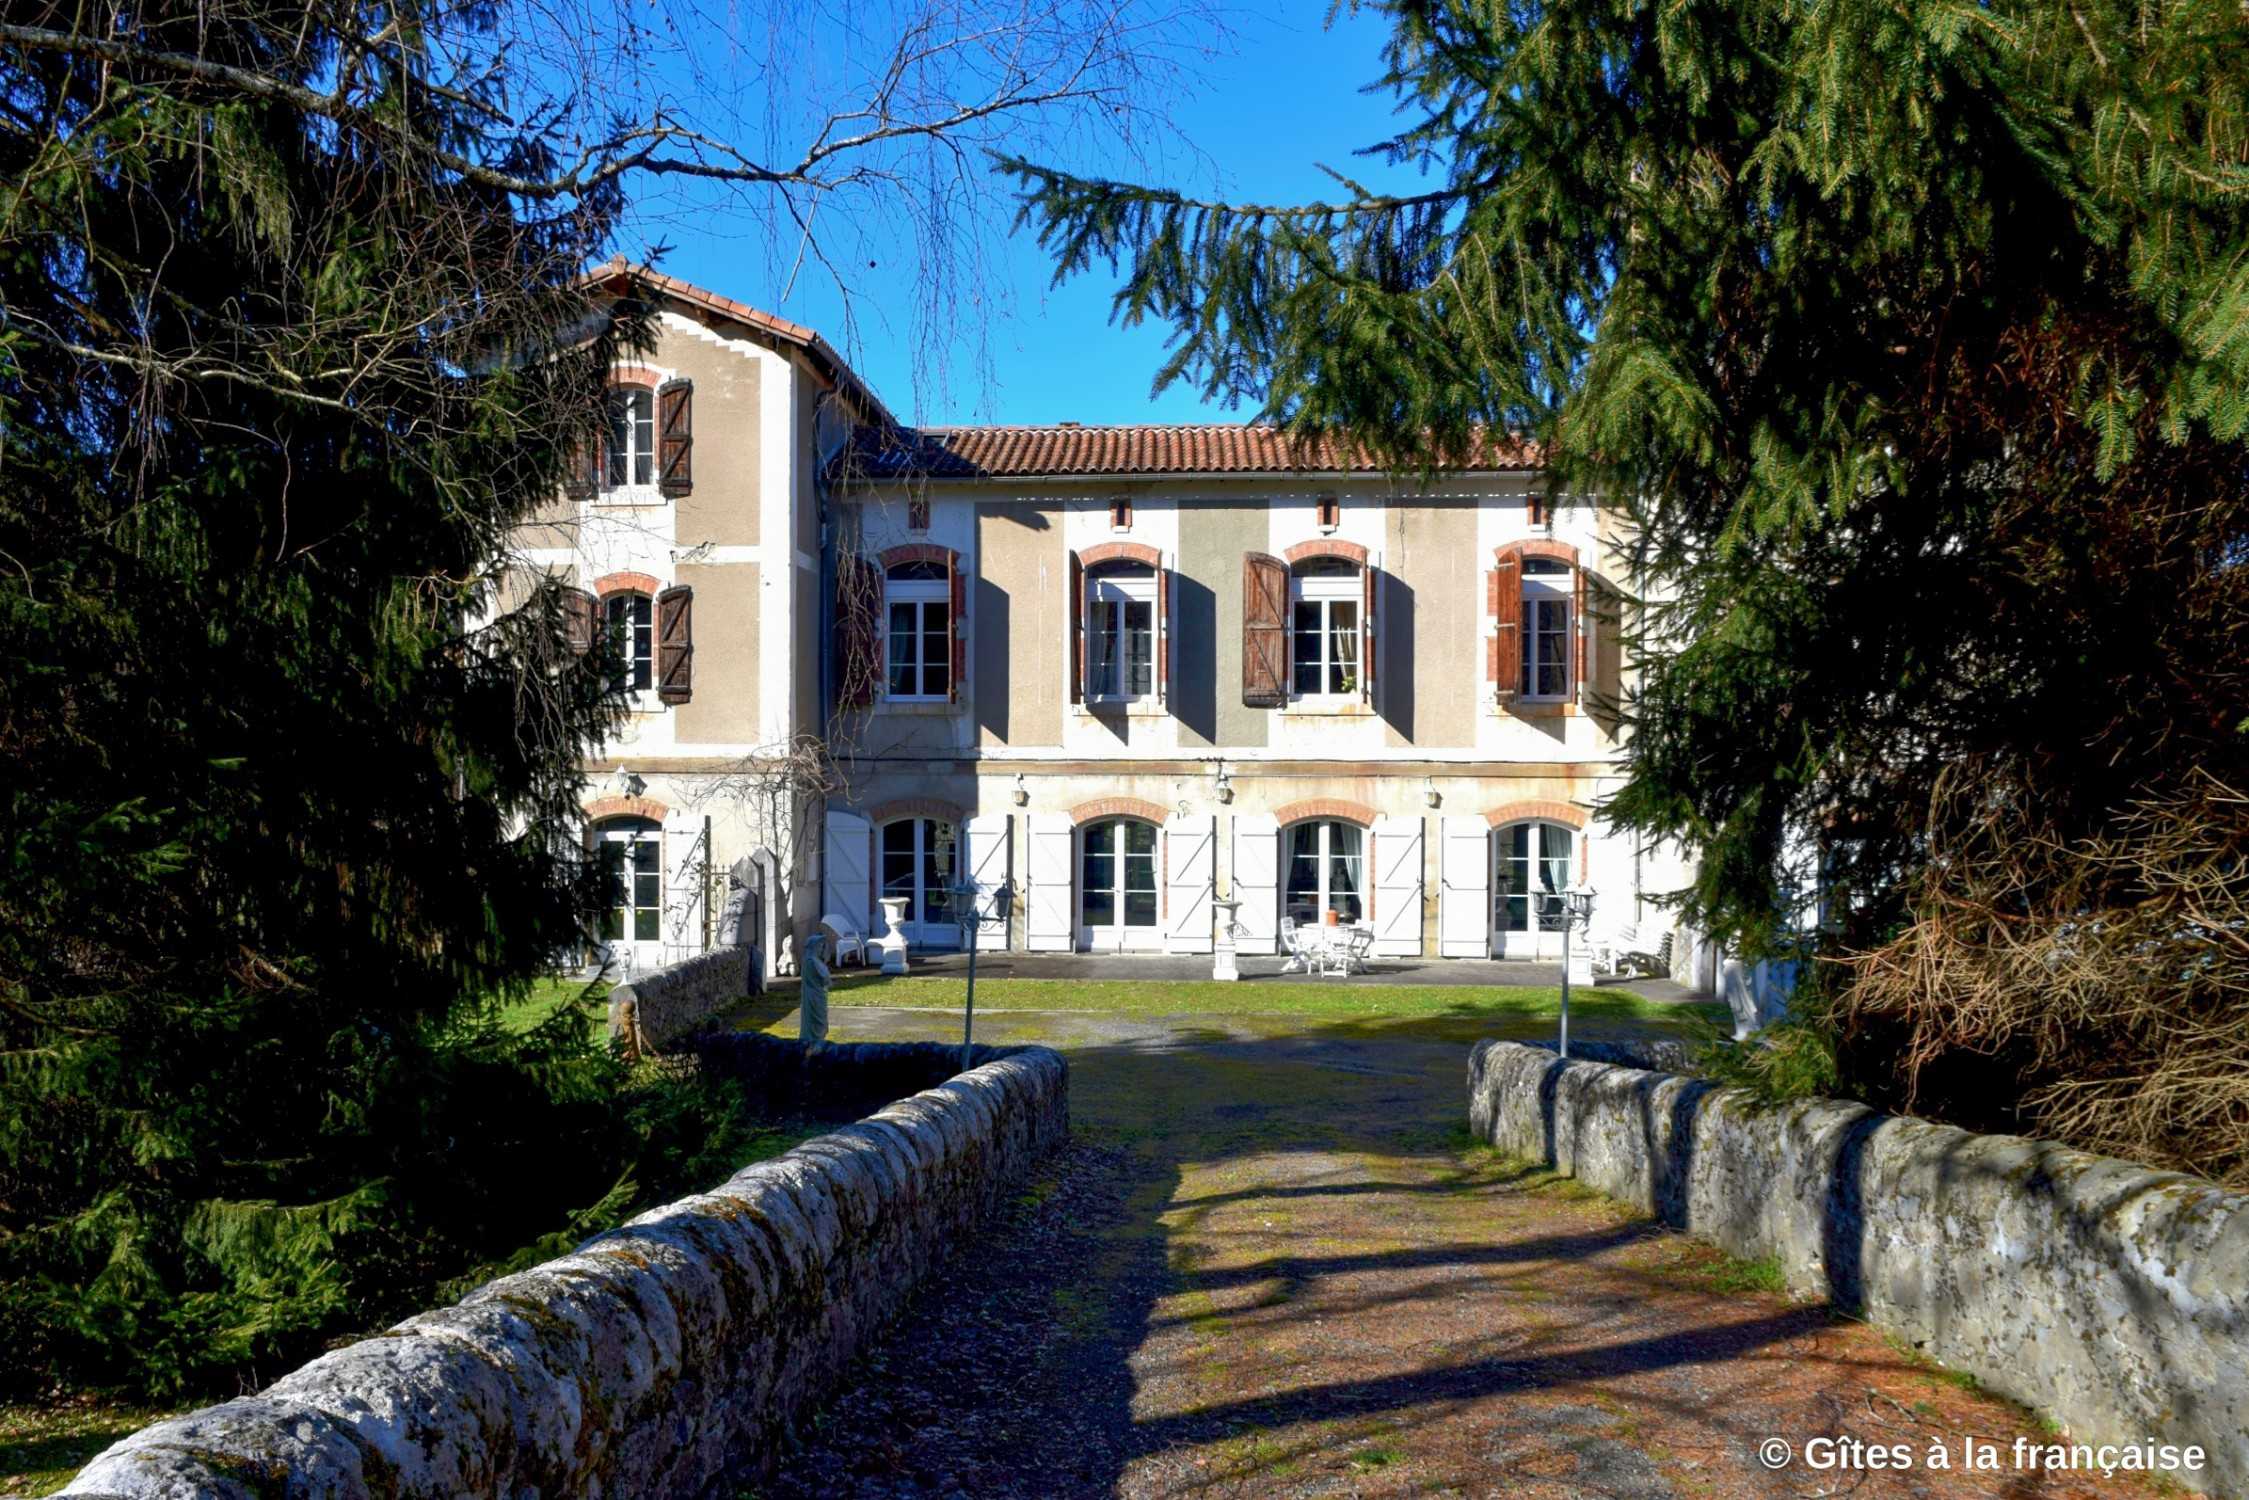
[{"x": 1531, "y": 870}]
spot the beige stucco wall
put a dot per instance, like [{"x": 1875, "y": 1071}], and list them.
[
  {"x": 1207, "y": 682},
  {"x": 724, "y": 709},
  {"x": 1017, "y": 677},
  {"x": 1432, "y": 622},
  {"x": 723, "y": 507}
]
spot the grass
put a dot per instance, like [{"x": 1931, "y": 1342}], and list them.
[
  {"x": 42, "y": 1448},
  {"x": 549, "y": 995},
  {"x": 1313, "y": 1001}
]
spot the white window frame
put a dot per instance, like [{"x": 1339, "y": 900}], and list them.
[
  {"x": 922, "y": 897},
  {"x": 1119, "y": 933},
  {"x": 636, "y": 635},
  {"x": 1324, "y": 855},
  {"x": 1325, "y": 591},
  {"x": 630, "y": 836},
  {"x": 630, "y": 491},
  {"x": 1542, "y": 930},
  {"x": 1112, "y": 594},
  {"x": 1548, "y": 592},
  {"x": 921, "y": 593}
]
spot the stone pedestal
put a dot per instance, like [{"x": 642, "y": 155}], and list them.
[
  {"x": 894, "y": 942},
  {"x": 1222, "y": 965}
]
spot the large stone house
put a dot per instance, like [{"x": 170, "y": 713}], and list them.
[{"x": 1130, "y": 669}]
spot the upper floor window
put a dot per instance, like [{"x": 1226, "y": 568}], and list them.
[
  {"x": 1120, "y": 634},
  {"x": 1325, "y": 596},
  {"x": 630, "y": 442},
  {"x": 632, "y": 623},
  {"x": 1546, "y": 638},
  {"x": 917, "y": 603}
]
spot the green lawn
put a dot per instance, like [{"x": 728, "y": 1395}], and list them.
[
  {"x": 42, "y": 1448},
  {"x": 1464, "y": 1006},
  {"x": 549, "y": 995}
]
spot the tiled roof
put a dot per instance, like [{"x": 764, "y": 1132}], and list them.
[{"x": 1069, "y": 448}]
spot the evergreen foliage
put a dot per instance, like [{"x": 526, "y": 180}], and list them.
[
  {"x": 279, "y": 371},
  {"x": 1914, "y": 336}
]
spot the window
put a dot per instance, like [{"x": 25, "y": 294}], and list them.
[
  {"x": 1323, "y": 871},
  {"x": 1330, "y": 512},
  {"x": 1533, "y": 868},
  {"x": 631, "y": 851},
  {"x": 1117, "y": 874},
  {"x": 917, "y": 600},
  {"x": 631, "y": 445},
  {"x": 1120, "y": 634},
  {"x": 1120, "y": 515},
  {"x": 919, "y": 863},
  {"x": 1324, "y": 634},
  {"x": 1546, "y": 628},
  {"x": 632, "y": 624}
]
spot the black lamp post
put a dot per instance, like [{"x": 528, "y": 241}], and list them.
[{"x": 964, "y": 902}]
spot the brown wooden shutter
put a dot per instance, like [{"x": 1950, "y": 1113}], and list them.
[
  {"x": 675, "y": 437},
  {"x": 1577, "y": 624},
  {"x": 1507, "y": 622},
  {"x": 581, "y": 473},
  {"x": 957, "y": 595},
  {"x": 1264, "y": 631},
  {"x": 1163, "y": 634},
  {"x": 1367, "y": 636},
  {"x": 581, "y": 619},
  {"x": 859, "y": 627},
  {"x": 1077, "y": 629},
  {"x": 675, "y": 645}
]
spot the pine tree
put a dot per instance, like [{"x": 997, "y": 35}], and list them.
[{"x": 1913, "y": 337}]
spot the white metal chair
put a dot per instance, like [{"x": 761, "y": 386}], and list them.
[
  {"x": 1357, "y": 946},
  {"x": 844, "y": 940},
  {"x": 1300, "y": 955}
]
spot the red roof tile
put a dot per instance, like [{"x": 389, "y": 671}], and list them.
[{"x": 1069, "y": 449}]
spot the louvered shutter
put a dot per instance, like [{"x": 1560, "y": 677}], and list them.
[
  {"x": 581, "y": 620},
  {"x": 1163, "y": 633},
  {"x": 1264, "y": 631},
  {"x": 675, "y": 645},
  {"x": 1505, "y": 669},
  {"x": 1077, "y": 629},
  {"x": 1367, "y": 643},
  {"x": 1579, "y": 623},
  {"x": 675, "y": 437},
  {"x": 859, "y": 626},
  {"x": 956, "y": 590},
  {"x": 581, "y": 468}
]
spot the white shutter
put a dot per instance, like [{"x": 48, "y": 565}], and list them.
[
  {"x": 1397, "y": 886},
  {"x": 1049, "y": 925},
  {"x": 1191, "y": 859},
  {"x": 682, "y": 858},
  {"x": 1257, "y": 881},
  {"x": 989, "y": 852},
  {"x": 843, "y": 883},
  {"x": 1464, "y": 892}
]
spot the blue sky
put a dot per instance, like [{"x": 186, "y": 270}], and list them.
[{"x": 1283, "y": 96}]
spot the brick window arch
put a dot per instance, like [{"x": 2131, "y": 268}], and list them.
[
  {"x": 1119, "y": 807},
  {"x": 1324, "y": 807},
  {"x": 1536, "y": 810}
]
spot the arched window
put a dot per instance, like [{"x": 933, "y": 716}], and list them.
[
  {"x": 1325, "y": 871},
  {"x": 1531, "y": 869},
  {"x": 917, "y": 599},
  {"x": 631, "y": 852},
  {"x": 1120, "y": 633},
  {"x": 631, "y": 445},
  {"x": 631, "y": 619},
  {"x": 920, "y": 862},
  {"x": 1117, "y": 882},
  {"x": 1325, "y": 595}
]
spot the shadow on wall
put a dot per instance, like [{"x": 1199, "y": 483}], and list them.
[
  {"x": 1394, "y": 655},
  {"x": 990, "y": 685},
  {"x": 1194, "y": 673}
]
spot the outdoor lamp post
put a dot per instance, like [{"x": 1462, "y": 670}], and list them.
[
  {"x": 972, "y": 920},
  {"x": 1575, "y": 906}
]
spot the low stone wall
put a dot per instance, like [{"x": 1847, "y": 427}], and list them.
[
  {"x": 656, "y": 1010},
  {"x": 2110, "y": 1297},
  {"x": 669, "y": 1357}
]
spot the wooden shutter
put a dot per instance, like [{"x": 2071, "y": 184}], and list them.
[
  {"x": 859, "y": 630},
  {"x": 1264, "y": 631},
  {"x": 582, "y": 468},
  {"x": 1367, "y": 575},
  {"x": 675, "y": 437},
  {"x": 1577, "y": 626},
  {"x": 1163, "y": 636},
  {"x": 581, "y": 620},
  {"x": 1505, "y": 603},
  {"x": 1077, "y": 629},
  {"x": 956, "y": 592},
  {"x": 675, "y": 645}
]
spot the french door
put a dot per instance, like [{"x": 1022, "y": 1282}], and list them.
[
  {"x": 1531, "y": 867},
  {"x": 1117, "y": 906},
  {"x": 921, "y": 862},
  {"x": 631, "y": 922},
  {"x": 1324, "y": 872}
]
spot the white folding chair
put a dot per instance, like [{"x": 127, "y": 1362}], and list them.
[
  {"x": 845, "y": 941},
  {"x": 1299, "y": 960}
]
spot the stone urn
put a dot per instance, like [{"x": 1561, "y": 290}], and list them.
[
  {"x": 894, "y": 940},
  {"x": 1222, "y": 965}
]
